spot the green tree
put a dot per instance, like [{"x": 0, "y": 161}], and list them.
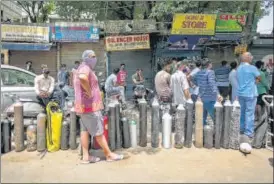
[{"x": 38, "y": 11}]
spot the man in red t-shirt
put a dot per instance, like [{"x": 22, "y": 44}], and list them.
[{"x": 122, "y": 79}]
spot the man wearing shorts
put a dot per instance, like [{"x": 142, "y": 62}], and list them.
[{"x": 88, "y": 104}]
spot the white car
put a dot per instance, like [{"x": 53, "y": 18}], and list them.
[{"x": 16, "y": 81}]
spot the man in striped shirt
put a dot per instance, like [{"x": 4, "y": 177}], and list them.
[
  {"x": 222, "y": 77},
  {"x": 208, "y": 91}
]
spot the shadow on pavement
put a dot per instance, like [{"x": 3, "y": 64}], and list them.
[{"x": 147, "y": 150}]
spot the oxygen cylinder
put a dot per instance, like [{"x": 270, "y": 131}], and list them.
[
  {"x": 111, "y": 127},
  {"x": 80, "y": 148},
  {"x": 6, "y": 135},
  {"x": 218, "y": 124},
  {"x": 65, "y": 135},
  {"x": 31, "y": 138},
  {"x": 133, "y": 133},
  {"x": 199, "y": 124},
  {"x": 155, "y": 120},
  {"x": 118, "y": 126},
  {"x": 18, "y": 127},
  {"x": 180, "y": 126},
  {"x": 126, "y": 136},
  {"x": 143, "y": 123},
  {"x": 227, "y": 120},
  {"x": 166, "y": 130},
  {"x": 189, "y": 123},
  {"x": 234, "y": 129},
  {"x": 173, "y": 111},
  {"x": 41, "y": 132},
  {"x": 208, "y": 137},
  {"x": 73, "y": 129}
]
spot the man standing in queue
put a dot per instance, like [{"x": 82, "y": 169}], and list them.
[
  {"x": 88, "y": 104},
  {"x": 247, "y": 76},
  {"x": 121, "y": 80},
  {"x": 162, "y": 82}
]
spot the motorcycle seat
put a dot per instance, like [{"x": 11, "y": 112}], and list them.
[{"x": 27, "y": 100}]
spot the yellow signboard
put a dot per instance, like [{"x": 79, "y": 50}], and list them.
[
  {"x": 25, "y": 33},
  {"x": 193, "y": 24},
  {"x": 132, "y": 42}
]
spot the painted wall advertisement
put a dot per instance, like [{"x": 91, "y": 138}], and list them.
[
  {"x": 182, "y": 42},
  {"x": 193, "y": 24},
  {"x": 132, "y": 42},
  {"x": 21, "y": 33},
  {"x": 230, "y": 23},
  {"x": 74, "y": 32}
]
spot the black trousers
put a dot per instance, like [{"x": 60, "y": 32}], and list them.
[
  {"x": 44, "y": 101},
  {"x": 224, "y": 91}
]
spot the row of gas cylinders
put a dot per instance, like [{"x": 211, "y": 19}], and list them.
[
  {"x": 121, "y": 131},
  {"x": 35, "y": 133},
  {"x": 222, "y": 131}
]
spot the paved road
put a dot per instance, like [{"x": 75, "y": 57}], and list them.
[{"x": 143, "y": 165}]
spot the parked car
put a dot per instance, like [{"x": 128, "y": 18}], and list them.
[{"x": 16, "y": 81}]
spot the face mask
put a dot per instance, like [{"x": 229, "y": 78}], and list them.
[{"x": 91, "y": 62}]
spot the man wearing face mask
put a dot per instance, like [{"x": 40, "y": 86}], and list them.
[
  {"x": 29, "y": 66},
  {"x": 88, "y": 104},
  {"x": 73, "y": 71},
  {"x": 63, "y": 75},
  {"x": 44, "y": 86}
]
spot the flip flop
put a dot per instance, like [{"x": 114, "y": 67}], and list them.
[
  {"x": 91, "y": 160},
  {"x": 118, "y": 157}
]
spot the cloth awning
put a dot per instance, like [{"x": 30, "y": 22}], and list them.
[
  {"x": 227, "y": 37},
  {"x": 26, "y": 46}
]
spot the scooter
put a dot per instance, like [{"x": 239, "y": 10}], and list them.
[{"x": 141, "y": 92}]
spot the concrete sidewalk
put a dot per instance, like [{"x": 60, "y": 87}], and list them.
[{"x": 144, "y": 165}]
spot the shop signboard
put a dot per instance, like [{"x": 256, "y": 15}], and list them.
[
  {"x": 24, "y": 33},
  {"x": 227, "y": 23},
  {"x": 132, "y": 42},
  {"x": 187, "y": 42},
  {"x": 193, "y": 24},
  {"x": 74, "y": 32}
]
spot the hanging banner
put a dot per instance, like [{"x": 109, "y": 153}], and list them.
[
  {"x": 22, "y": 33},
  {"x": 181, "y": 42},
  {"x": 132, "y": 42},
  {"x": 193, "y": 24},
  {"x": 230, "y": 23},
  {"x": 130, "y": 26},
  {"x": 74, "y": 32}
]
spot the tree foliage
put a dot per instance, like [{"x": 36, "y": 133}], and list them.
[{"x": 38, "y": 11}]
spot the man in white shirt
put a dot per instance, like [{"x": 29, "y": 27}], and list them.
[
  {"x": 179, "y": 86},
  {"x": 44, "y": 86}
]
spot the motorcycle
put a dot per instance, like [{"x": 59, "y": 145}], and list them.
[
  {"x": 140, "y": 92},
  {"x": 31, "y": 108}
]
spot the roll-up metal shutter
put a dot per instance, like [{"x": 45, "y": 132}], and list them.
[
  {"x": 19, "y": 59},
  {"x": 260, "y": 52},
  {"x": 71, "y": 52},
  {"x": 132, "y": 60}
]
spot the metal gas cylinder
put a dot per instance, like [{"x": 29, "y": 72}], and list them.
[
  {"x": 73, "y": 130},
  {"x": 6, "y": 135},
  {"x": 133, "y": 133},
  {"x": 226, "y": 124},
  {"x": 166, "y": 130},
  {"x": 143, "y": 123},
  {"x": 118, "y": 133},
  {"x": 199, "y": 123},
  {"x": 208, "y": 137},
  {"x": 189, "y": 123},
  {"x": 155, "y": 123},
  {"x": 218, "y": 124},
  {"x": 18, "y": 127},
  {"x": 41, "y": 132},
  {"x": 32, "y": 138},
  {"x": 234, "y": 129},
  {"x": 180, "y": 126},
  {"x": 111, "y": 126},
  {"x": 126, "y": 136},
  {"x": 65, "y": 135}
]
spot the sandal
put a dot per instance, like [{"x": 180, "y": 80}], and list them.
[
  {"x": 117, "y": 158},
  {"x": 92, "y": 159}
]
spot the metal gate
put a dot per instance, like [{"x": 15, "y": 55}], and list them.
[{"x": 133, "y": 60}]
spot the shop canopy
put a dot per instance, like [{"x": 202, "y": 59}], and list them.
[{"x": 26, "y": 46}]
